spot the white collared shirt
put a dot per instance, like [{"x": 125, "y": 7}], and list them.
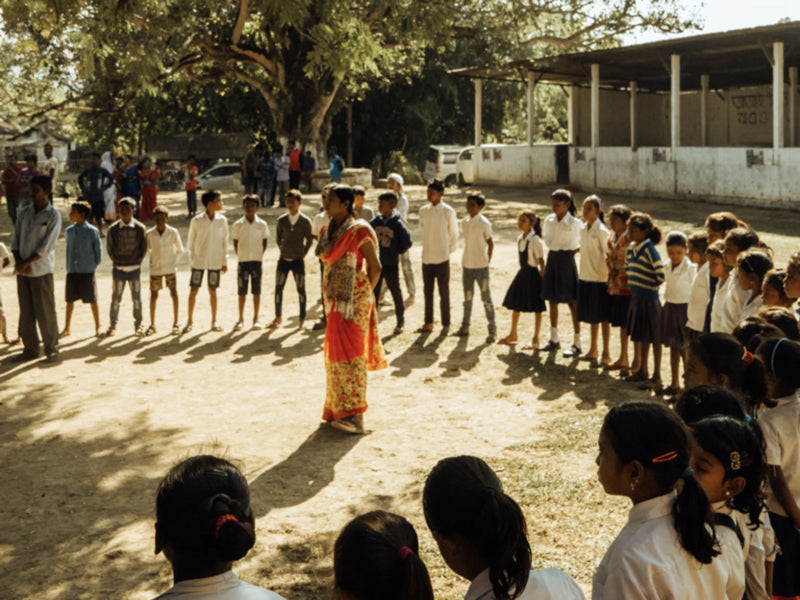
[
  {"x": 678, "y": 288},
  {"x": 562, "y": 235},
  {"x": 718, "y": 321},
  {"x": 320, "y": 220},
  {"x": 402, "y": 206},
  {"x": 476, "y": 231},
  {"x": 751, "y": 308},
  {"x": 729, "y": 300},
  {"x": 752, "y": 549},
  {"x": 698, "y": 299},
  {"x": 220, "y": 587},
  {"x": 208, "y": 242},
  {"x": 547, "y": 584},
  {"x": 250, "y": 238},
  {"x": 646, "y": 561},
  {"x": 780, "y": 426},
  {"x": 165, "y": 249},
  {"x": 594, "y": 245},
  {"x": 535, "y": 248},
  {"x": 439, "y": 232}
]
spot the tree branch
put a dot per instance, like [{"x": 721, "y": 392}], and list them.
[{"x": 241, "y": 19}]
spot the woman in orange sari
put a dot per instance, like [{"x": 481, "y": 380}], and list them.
[{"x": 351, "y": 269}]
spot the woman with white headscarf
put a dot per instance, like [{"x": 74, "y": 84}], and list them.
[{"x": 110, "y": 195}]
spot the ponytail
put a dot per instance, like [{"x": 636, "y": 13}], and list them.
[
  {"x": 644, "y": 222},
  {"x": 376, "y": 557},
  {"x": 645, "y": 431},
  {"x": 463, "y": 497},
  {"x": 563, "y": 195}
]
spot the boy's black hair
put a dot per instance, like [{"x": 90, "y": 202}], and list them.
[
  {"x": 43, "y": 181},
  {"x": 644, "y": 222},
  {"x": 389, "y": 197},
  {"x": 703, "y": 401},
  {"x": 376, "y": 557},
  {"x": 722, "y": 222},
  {"x": 296, "y": 194},
  {"x": 783, "y": 319},
  {"x": 437, "y": 185},
  {"x": 644, "y": 431},
  {"x": 464, "y": 499},
  {"x": 699, "y": 241},
  {"x": 250, "y": 198},
  {"x": 739, "y": 446},
  {"x": 563, "y": 195},
  {"x": 83, "y": 207},
  {"x": 478, "y": 198},
  {"x": 203, "y": 511},
  {"x": 209, "y": 197},
  {"x": 161, "y": 209},
  {"x": 677, "y": 238},
  {"x": 722, "y": 354},
  {"x": 358, "y": 190}
]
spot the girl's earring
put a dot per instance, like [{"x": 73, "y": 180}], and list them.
[
  {"x": 727, "y": 493},
  {"x": 634, "y": 483}
]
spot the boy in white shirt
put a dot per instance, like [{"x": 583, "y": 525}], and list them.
[
  {"x": 165, "y": 248},
  {"x": 439, "y": 239},
  {"x": 701, "y": 285},
  {"x": 208, "y": 251},
  {"x": 478, "y": 248},
  {"x": 250, "y": 235}
]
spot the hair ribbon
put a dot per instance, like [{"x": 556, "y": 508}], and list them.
[
  {"x": 747, "y": 357},
  {"x": 221, "y": 521}
]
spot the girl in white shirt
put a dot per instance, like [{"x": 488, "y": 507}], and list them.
[
  {"x": 594, "y": 303},
  {"x": 700, "y": 292},
  {"x": 752, "y": 266},
  {"x": 679, "y": 274},
  {"x": 377, "y": 556},
  {"x": 780, "y": 425},
  {"x": 561, "y": 233},
  {"x": 203, "y": 524},
  {"x": 733, "y": 298},
  {"x": 668, "y": 548},
  {"x": 482, "y": 535}
]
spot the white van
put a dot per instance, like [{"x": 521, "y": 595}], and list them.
[
  {"x": 441, "y": 164},
  {"x": 465, "y": 165}
]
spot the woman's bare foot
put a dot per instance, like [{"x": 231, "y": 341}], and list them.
[
  {"x": 63, "y": 334},
  {"x": 508, "y": 340},
  {"x": 534, "y": 345},
  {"x": 617, "y": 366}
]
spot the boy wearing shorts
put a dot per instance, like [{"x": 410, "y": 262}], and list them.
[
  {"x": 165, "y": 248},
  {"x": 84, "y": 253},
  {"x": 208, "y": 251},
  {"x": 127, "y": 247},
  {"x": 250, "y": 235}
]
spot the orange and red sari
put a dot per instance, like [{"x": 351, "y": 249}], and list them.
[{"x": 352, "y": 343}]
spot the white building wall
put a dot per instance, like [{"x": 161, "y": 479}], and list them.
[{"x": 516, "y": 164}]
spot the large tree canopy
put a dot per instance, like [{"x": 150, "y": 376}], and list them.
[{"x": 303, "y": 57}]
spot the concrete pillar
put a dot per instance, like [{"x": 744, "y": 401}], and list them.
[
  {"x": 572, "y": 105},
  {"x": 477, "y": 155},
  {"x": 595, "y": 106},
  {"x": 704, "y": 110},
  {"x": 675, "y": 103},
  {"x": 777, "y": 101},
  {"x": 349, "y": 134},
  {"x": 634, "y": 89},
  {"x": 792, "y": 106},
  {"x": 531, "y": 107}
]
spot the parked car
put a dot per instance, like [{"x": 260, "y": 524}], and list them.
[
  {"x": 465, "y": 166},
  {"x": 223, "y": 176},
  {"x": 441, "y": 164}
]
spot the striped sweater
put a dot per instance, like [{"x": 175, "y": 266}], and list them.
[{"x": 645, "y": 270}]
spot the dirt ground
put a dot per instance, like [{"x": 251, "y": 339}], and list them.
[{"x": 83, "y": 443}]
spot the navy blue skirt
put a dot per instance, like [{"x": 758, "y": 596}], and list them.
[
  {"x": 593, "y": 301},
  {"x": 525, "y": 292},
  {"x": 560, "y": 281},
  {"x": 644, "y": 320},
  {"x": 618, "y": 307},
  {"x": 786, "y": 577},
  {"x": 674, "y": 333}
]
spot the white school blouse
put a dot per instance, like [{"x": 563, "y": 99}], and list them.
[
  {"x": 750, "y": 309},
  {"x": 476, "y": 231},
  {"x": 780, "y": 426},
  {"x": 646, "y": 561},
  {"x": 208, "y": 242},
  {"x": 547, "y": 584},
  {"x": 220, "y": 587},
  {"x": 535, "y": 248},
  {"x": 250, "y": 238},
  {"x": 752, "y": 548},
  {"x": 165, "y": 249},
  {"x": 562, "y": 235},
  {"x": 594, "y": 245},
  {"x": 698, "y": 299},
  {"x": 678, "y": 288},
  {"x": 719, "y": 323}
]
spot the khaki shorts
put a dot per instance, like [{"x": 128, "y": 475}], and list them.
[{"x": 170, "y": 280}]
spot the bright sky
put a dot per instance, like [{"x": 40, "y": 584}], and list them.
[{"x": 724, "y": 15}]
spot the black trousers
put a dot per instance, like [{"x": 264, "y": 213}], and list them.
[
  {"x": 391, "y": 275},
  {"x": 439, "y": 274}
]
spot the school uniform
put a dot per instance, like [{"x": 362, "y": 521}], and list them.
[
  {"x": 439, "y": 240},
  {"x": 619, "y": 293},
  {"x": 475, "y": 268},
  {"x": 207, "y": 247},
  {"x": 220, "y": 587},
  {"x": 546, "y": 584},
  {"x": 751, "y": 308},
  {"x": 593, "y": 299},
  {"x": 646, "y": 560},
  {"x": 729, "y": 300},
  {"x": 752, "y": 543},
  {"x": 249, "y": 238},
  {"x": 645, "y": 276},
  {"x": 677, "y": 292},
  {"x": 699, "y": 297},
  {"x": 563, "y": 238},
  {"x": 525, "y": 292},
  {"x": 165, "y": 249},
  {"x": 780, "y": 426}
]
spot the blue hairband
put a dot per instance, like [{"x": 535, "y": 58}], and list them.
[
  {"x": 774, "y": 351},
  {"x": 748, "y": 419},
  {"x": 687, "y": 472}
]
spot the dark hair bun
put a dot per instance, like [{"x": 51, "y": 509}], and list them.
[{"x": 233, "y": 537}]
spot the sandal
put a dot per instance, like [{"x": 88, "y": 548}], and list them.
[
  {"x": 348, "y": 425},
  {"x": 216, "y": 327},
  {"x": 150, "y": 330},
  {"x": 187, "y": 328},
  {"x": 507, "y": 341},
  {"x": 176, "y": 330},
  {"x": 238, "y": 327}
]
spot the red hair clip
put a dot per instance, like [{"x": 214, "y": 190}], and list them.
[
  {"x": 666, "y": 457},
  {"x": 747, "y": 357},
  {"x": 221, "y": 521}
]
